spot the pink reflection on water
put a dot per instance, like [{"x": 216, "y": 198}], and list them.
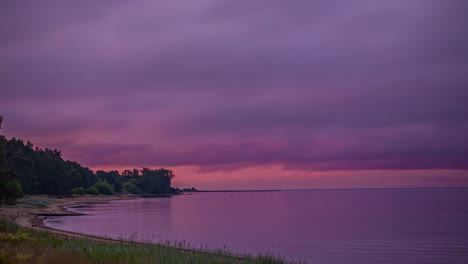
[{"x": 320, "y": 226}]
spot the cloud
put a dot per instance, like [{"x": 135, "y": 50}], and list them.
[{"x": 222, "y": 86}]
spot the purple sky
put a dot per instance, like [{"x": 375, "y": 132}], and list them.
[{"x": 244, "y": 94}]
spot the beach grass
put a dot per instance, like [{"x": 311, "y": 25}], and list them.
[
  {"x": 35, "y": 202},
  {"x": 21, "y": 245}
]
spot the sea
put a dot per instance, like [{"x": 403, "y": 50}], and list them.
[{"x": 313, "y": 226}]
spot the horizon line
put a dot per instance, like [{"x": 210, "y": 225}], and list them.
[{"x": 331, "y": 189}]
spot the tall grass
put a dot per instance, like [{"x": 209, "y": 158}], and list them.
[{"x": 19, "y": 245}]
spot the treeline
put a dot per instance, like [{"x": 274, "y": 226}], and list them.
[{"x": 26, "y": 169}]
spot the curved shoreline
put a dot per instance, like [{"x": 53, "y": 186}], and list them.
[{"x": 30, "y": 218}]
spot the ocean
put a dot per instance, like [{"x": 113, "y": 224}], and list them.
[{"x": 315, "y": 226}]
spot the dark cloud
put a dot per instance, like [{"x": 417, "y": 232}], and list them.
[{"x": 322, "y": 85}]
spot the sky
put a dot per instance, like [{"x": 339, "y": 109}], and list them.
[{"x": 258, "y": 94}]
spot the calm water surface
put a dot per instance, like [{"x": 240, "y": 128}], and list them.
[{"x": 318, "y": 226}]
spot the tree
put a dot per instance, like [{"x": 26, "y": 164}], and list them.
[
  {"x": 3, "y": 174},
  {"x": 44, "y": 171},
  {"x": 78, "y": 190},
  {"x": 127, "y": 173},
  {"x": 11, "y": 191},
  {"x": 21, "y": 168},
  {"x": 131, "y": 188},
  {"x": 3, "y": 142},
  {"x": 156, "y": 181},
  {"x": 2, "y": 147},
  {"x": 52, "y": 174},
  {"x": 77, "y": 174},
  {"x": 92, "y": 190},
  {"x": 104, "y": 188},
  {"x": 108, "y": 176}
]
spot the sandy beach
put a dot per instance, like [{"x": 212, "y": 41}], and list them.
[{"x": 32, "y": 217}]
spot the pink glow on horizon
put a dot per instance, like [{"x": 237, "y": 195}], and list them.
[
  {"x": 277, "y": 177},
  {"x": 275, "y": 94}
]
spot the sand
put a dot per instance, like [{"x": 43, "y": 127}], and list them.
[{"x": 31, "y": 217}]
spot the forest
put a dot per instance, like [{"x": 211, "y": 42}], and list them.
[{"x": 27, "y": 169}]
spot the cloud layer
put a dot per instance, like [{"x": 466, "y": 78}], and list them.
[{"x": 223, "y": 86}]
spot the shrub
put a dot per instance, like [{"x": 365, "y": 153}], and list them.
[
  {"x": 104, "y": 188},
  {"x": 12, "y": 191},
  {"x": 92, "y": 190},
  {"x": 78, "y": 190},
  {"x": 131, "y": 188}
]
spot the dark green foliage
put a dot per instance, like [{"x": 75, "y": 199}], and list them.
[
  {"x": 189, "y": 190},
  {"x": 51, "y": 172},
  {"x": 19, "y": 160},
  {"x": 131, "y": 188},
  {"x": 77, "y": 174},
  {"x": 78, "y": 190},
  {"x": 92, "y": 190},
  {"x": 156, "y": 181},
  {"x": 3, "y": 175},
  {"x": 112, "y": 177},
  {"x": 118, "y": 184},
  {"x": 104, "y": 188},
  {"x": 176, "y": 191},
  {"x": 44, "y": 171},
  {"x": 11, "y": 191}
]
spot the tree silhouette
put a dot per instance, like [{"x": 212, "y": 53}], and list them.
[{"x": 32, "y": 170}]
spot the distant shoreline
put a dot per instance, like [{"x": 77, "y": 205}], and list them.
[
  {"x": 237, "y": 191},
  {"x": 339, "y": 189}
]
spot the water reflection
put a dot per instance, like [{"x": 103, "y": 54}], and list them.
[{"x": 332, "y": 226}]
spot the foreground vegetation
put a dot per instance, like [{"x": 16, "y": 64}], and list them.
[
  {"x": 26, "y": 169},
  {"x": 20, "y": 245}
]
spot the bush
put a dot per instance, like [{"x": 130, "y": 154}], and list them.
[
  {"x": 92, "y": 190},
  {"x": 78, "y": 190},
  {"x": 104, "y": 188},
  {"x": 12, "y": 191},
  {"x": 131, "y": 188}
]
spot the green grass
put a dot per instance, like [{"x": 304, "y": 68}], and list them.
[
  {"x": 20, "y": 245},
  {"x": 35, "y": 201}
]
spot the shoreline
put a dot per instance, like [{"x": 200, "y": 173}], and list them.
[{"x": 31, "y": 217}]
